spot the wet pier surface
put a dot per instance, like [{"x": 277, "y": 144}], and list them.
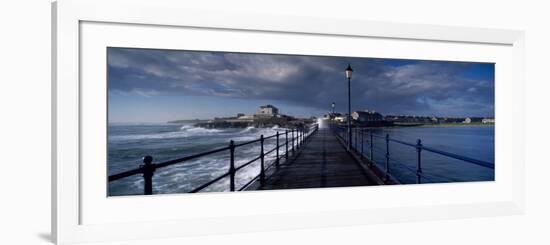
[{"x": 321, "y": 162}]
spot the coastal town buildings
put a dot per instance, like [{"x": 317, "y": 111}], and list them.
[
  {"x": 267, "y": 111},
  {"x": 332, "y": 115},
  {"x": 488, "y": 120},
  {"x": 366, "y": 116},
  {"x": 265, "y": 116},
  {"x": 341, "y": 118}
]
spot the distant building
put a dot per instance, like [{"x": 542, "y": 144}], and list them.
[
  {"x": 488, "y": 120},
  {"x": 366, "y": 116},
  {"x": 467, "y": 120},
  {"x": 341, "y": 118},
  {"x": 331, "y": 115},
  {"x": 267, "y": 111}
]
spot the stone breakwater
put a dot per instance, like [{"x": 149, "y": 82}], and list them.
[{"x": 257, "y": 123}]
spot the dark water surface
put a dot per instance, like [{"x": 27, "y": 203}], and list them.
[
  {"x": 128, "y": 143},
  {"x": 477, "y": 142}
]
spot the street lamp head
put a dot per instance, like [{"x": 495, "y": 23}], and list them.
[
  {"x": 333, "y": 104},
  {"x": 349, "y": 71}
]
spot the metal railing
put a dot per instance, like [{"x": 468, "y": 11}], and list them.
[
  {"x": 293, "y": 141},
  {"x": 358, "y": 145}
]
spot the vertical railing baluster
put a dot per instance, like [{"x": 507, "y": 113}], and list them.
[
  {"x": 148, "y": 172},
  {"x": 352, "y": 140},
  {"x": 292, "y": 131},
  {"x": 387, "y": 157},
  {"x": 345, "y": 136},
  {"x": 286, "y": 144},
  {"x": 299, "y": 138},
  {"x": 371, "y": 149},
  {"x": 356, "y": 129},
  {"x": 231, "y": 165},
  {"x": 262, "y": 170},
  {"x": 419, "y": 162},
  {"x": 362, "y": 141},
  {"x": 277, "y": 159}
]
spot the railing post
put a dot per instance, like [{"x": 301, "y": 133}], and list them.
[
  {"x": 362, "y": 141},
  {"x": 303, "y": 131},
  {"x": 292, "y": 139},
  {"x": 286, "y": 144},
  {"x": 299, "y": 132},
  {"x": 419, "y": 166},
  {"x": 387, "y": 156},
  {"x": 356, "y": 129},
  {"x": 262, "y": 173},
  {"x": 371, "y": 149},
  {"x": 148, "y": 172},
  {"x": 277, "y": 159},
  {"x": 231, "y": 165},
  {"x": 297, "y": 138}
]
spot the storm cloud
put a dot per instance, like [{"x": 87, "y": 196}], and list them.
[{"x": 411, "y": 87}]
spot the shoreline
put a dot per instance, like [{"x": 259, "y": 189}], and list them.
[
  {"x": 458, "y": 125},
  {"x": 450, "y": 125}
]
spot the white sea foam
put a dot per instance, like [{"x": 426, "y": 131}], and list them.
[
  {"x": 183, "y": 177},
  {"x": 247, "y": 130},
  {"x": 186, "y": 127},
  {"x": 185, "y": 131}
]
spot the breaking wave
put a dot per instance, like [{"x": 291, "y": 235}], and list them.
[{"x": 184, "y": 131}]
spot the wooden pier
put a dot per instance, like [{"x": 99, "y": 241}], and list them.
[{"x": 322, "y": 161}]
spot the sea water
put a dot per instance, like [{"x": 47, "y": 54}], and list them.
[
  {"x": 128, "y": 143},
  {"x": 477, "y": 142}
]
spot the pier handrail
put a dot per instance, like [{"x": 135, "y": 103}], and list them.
[
  {"x": 444, "y": 153},
  {"x": 293, "y": 140},
  {"x": 359, "y": 132}
]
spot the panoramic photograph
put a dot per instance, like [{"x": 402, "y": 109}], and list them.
[{"x": 183, "y": 121}]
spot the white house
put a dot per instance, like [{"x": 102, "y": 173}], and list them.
[{"x": 267, "y": 111}]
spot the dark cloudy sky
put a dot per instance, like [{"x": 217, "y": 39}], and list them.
[{"x": 146, "y": 85}]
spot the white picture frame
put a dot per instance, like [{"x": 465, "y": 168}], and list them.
[{"x": 69, "y": 196}]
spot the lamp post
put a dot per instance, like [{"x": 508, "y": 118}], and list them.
[
  {"x": 349, "y": 71},
  {"x": 333, "y": 105}
]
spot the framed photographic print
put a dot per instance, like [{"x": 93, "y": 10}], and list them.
[
  {"x": 171, "y": 122},
  {"x": 214, "y": 146}
]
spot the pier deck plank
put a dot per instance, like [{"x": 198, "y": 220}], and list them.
[{"x": 321, "y": 162}]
